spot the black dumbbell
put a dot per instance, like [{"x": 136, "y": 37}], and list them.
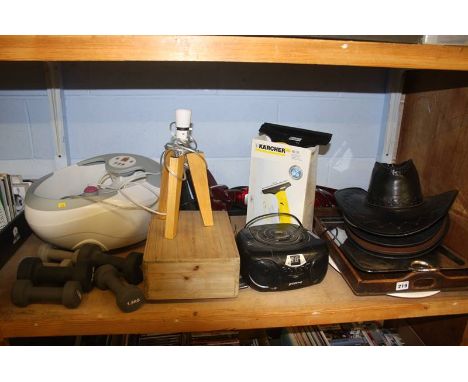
[
  {"x": 25, "y": 293},
  {"x": 130, "y": 266},
  {"x": 47, "y": 253},
  {"x": 31, "y": 268},
  {"x": 63, "y": 263},
  {"x": 128, "y": 297}
]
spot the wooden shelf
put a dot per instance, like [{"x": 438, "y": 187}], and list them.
[
  {"x": 329, "y": 302},
  {"x": 288, "y": 50}
]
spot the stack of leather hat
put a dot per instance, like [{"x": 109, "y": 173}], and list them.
[{"x": 393, "y": 218}]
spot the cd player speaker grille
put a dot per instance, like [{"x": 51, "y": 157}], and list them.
[{"x": 264, "y": 273}]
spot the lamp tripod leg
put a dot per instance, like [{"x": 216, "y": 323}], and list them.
[
  {"x": 174, "y": 186},
  {"x": 163, "y": 191},
  {"x": 200, "y": 181}
]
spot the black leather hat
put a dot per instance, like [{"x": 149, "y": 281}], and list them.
[
  {"x": 378, "y": 249},
  {"x": 394, "y": 205},
  {"x": 415, "y": 239}
]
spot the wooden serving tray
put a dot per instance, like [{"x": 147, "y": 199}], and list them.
[{"x": 366, "y": 284}]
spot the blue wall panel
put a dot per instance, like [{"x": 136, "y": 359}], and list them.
[
  {"x": 15, "y": 140},
  {"x": 112, "y": 107}
]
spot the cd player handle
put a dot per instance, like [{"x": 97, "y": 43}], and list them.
[{"x": 270, "y": 215}]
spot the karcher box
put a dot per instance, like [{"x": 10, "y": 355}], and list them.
[{"x": 282, "y": 179}]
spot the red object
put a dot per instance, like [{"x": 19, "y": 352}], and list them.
[
  {"x": 224, "y": 198},
  {"x": 220, "y": 198},
  {"x": 238, "y": 196},
  {"x": 324, "y": 197},
  {"x": 90, "y": 190}
]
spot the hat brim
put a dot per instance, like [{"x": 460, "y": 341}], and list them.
[
  {"x": 401, "y": 241},
  {"x": 392, "y": 221},
  {"x": 410, "y": 250}
]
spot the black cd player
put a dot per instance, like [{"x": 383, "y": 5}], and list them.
[{"x": 281, "y": 256}]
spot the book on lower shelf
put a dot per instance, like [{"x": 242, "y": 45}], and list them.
[
  {"x": 3, "y": 217},
  {"x": 393, "y": 333},
  {"x": 12, "y": 236},
  {"x": 14, "y": 229},
  {"x": 216, "y": 338},
  {"x": 12, "y": 195},
  {"x": 347, "y": 334}
]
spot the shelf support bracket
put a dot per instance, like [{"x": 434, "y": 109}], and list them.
[
  {"x": 55, "y": 96},
  {"x": 395, "y": 103}
]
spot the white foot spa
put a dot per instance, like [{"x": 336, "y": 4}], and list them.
[{"x": 105, "y": 200}]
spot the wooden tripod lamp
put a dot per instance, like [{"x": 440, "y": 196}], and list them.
[{"x": 178, "y": 152}]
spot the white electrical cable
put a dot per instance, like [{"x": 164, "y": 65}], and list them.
[
  {"x": 126, "y": 196},
  {"x": 131, "y": 181},
  {"x": 176, "y": 146}
]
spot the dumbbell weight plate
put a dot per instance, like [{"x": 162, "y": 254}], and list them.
[
  {"x": 133, "y": 273},
  {"x": 72, "y": 294},
  {"x": 131, "y": 300},
  {"x": 84, "y": 272},
  {"x": 26, "y": 268},
  {"x": 19, "y": 293}
]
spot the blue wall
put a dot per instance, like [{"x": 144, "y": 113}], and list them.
[{"x": 111, "y": 107}]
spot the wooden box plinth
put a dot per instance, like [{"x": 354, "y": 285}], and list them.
[{"x": 200, "y": 262}]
